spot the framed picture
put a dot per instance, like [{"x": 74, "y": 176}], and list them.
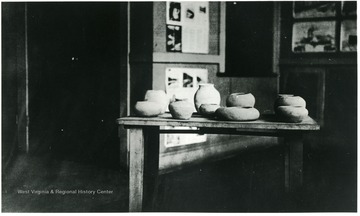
[
  {"x": 348, "y": 8},
  {"x": 173, "y": 38},
  {"x": 310, "y": 9},
  {"x": 348, "y": 36},
  {"x": 317, "y": 36}
]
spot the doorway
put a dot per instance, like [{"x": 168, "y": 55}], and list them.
[{"x": 76, "y": 55}]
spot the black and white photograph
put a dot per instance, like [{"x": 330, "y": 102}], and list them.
[
  {"x": 348, "y": 40},
  {"x": 233, "y": 107},
  {"x": 314, "y": 36},
  {"x": 173, "y": 38},
  {"x": 311, "y": 9},
  {"x": 175, "y": 11}
]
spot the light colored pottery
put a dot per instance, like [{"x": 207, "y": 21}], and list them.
[
  {"x": 206, "y": 94},
  {"x": 148, "y": 108},
  {"x": 240, "y": 99},
  {"x": 158, "y": 96},
  {"x": 288, "y": 100},
  {"x": 237, "y": 113},
  {"x": 181, "y": 109},
  {"x": 291, "y": 113},
  {"x": 279, "y": 97},
  {"x": 208, "y": 109}
]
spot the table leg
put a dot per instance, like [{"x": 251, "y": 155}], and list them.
[
  {"x": 293, "y": 162},
  {"x": 143, "y": 166}
]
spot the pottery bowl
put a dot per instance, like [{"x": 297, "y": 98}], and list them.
[
  {"x": 240, "y": 100},
  {"x": 290, "y": 101},
  {"x": 237, "y": 113},
  {"x": 208, "y": 109},
  {"x": 181, "y": 109},
  {"x": 158, "y": 96},
  {"x": 291, "y": 113},
  {"x": 148, "y": 108}
]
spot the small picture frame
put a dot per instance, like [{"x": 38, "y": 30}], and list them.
[
  {"x": 348, "y": 36},
  {"x": 317, "y": 36},
  {"x": 311, "y": 9}
]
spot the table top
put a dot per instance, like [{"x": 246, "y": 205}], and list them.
[{"x": 265, "y": 122}]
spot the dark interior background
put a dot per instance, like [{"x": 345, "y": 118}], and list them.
[
  {"x": 249, "y": 39},
  {"x": 74, "y": 53}
]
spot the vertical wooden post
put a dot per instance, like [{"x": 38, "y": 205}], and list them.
[
  {"x": 136, "y": 169},
  {"x": 293, "y": 162},
  {"x": 144, "y": 167}
]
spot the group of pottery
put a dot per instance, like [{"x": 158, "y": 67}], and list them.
[
  {"x": 239, "y": 106},
  {"x": 290, "y": 108}
]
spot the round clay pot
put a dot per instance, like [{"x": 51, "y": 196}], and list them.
[
  {"x": 288, "y": 100},
  {"x": 291, "y": 113},
  {"x": 240, "y": 100},
  {"x": 148, "y": 108},
  {"x": 237, "y": 113},
  {"x": 208, "y": 109},
  {"x": 181, "y": 109},
  {"x": 158, "y": 96},
  {"x": 279, "y": 97},
  {"x": 206, "y": 94}
]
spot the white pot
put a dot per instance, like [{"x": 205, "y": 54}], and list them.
[
  {"x": 237, "y": 113},
  {"x": 240, "y": 100},
  {"x": 148, "y": 108},
  {"x": 290, "y": 101},
  {"x": 291, "y": 113},
  {"x": 206, "y": 94},
  {"x": 158, "y": 96}
]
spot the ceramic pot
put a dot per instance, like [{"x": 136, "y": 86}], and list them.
[
  {"x": 237, "y": 113},
  {"x": 158, "y": 96},
  {"x": 148, "y": 108},
  {"x": 181, "y": 109},
  {"x": 289, "y": 100},
  {"x": 279, "y": 97},
  {"x": 291, "y": 113},
  {"x": 240, "y": 100},
  {"x": 206, "y": 94},
  {"x": 208, "y": 109}
]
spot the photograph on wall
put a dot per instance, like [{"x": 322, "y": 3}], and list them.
[
  {"x": 348, "y": 8},
  {"x": 172, "y": 140},
  {"x": 193, "y": 19},
  {"x": 173, "y": 38},
  {"x": 313, "y": 37},
  {"x": 348, "y": 36},
  {"x": 310, "y": 9},
  {"x": 182, "y": 83},
  {"x": 173, "y": 15}
]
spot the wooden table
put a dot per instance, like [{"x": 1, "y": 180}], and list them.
[{"x": 144, "y": 147}]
